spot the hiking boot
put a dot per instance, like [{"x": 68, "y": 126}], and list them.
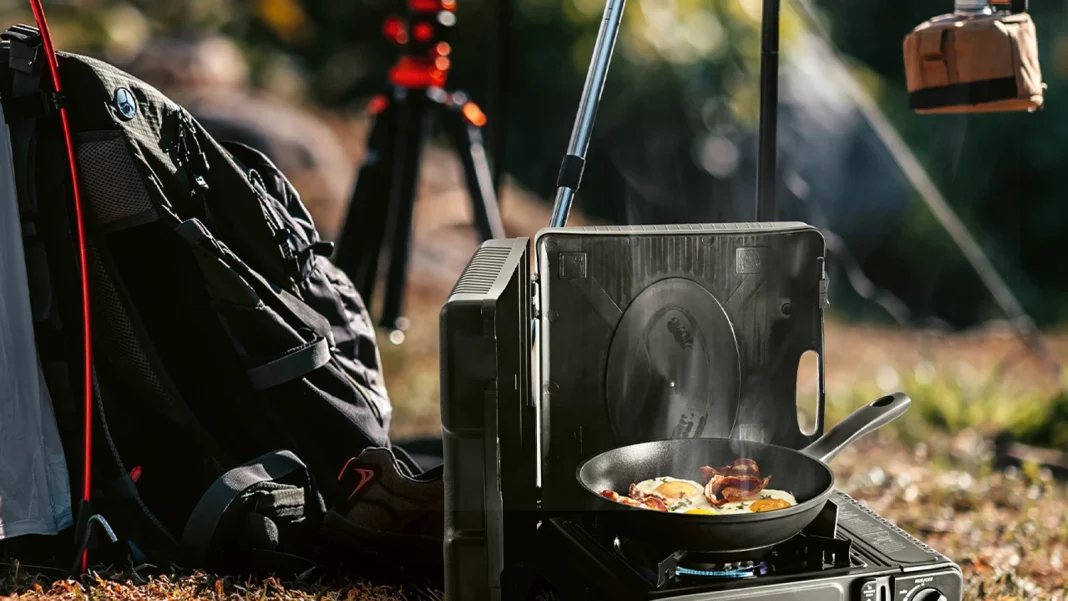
[{"x": 393, "y": 513}]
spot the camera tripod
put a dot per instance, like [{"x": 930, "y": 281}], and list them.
[{"x": 382, "y": 204}]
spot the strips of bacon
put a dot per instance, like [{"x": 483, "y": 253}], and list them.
[
  {"x": 739, "y": 481},
  {"x": 648, "y": 501},
  {"x": 740, "y": 467},
  {"x": 634, "y": 493},
  {"x": 721, "y": 490}
]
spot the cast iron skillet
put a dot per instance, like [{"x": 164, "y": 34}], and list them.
[{"x": 803, "y": 473}]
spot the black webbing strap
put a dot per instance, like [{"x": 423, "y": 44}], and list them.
[
  {"x": 964, "y": 94},
  {"x": 300, "y": 311},
  {"x": 203, "y": 523},
  {"x": 304, "y": 359},
  {"x": 195, "y": 233},
  {"x": 293, "y": 364}
]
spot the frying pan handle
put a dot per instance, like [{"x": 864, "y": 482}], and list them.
[{"x": 865, "y": 420}]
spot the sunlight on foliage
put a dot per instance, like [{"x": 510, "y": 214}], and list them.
[
  {"x": 959, "y": 400},
  {"x": 285, "y": 17}
]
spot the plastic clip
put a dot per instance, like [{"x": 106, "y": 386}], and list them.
[{"x": 26, "y": 44}]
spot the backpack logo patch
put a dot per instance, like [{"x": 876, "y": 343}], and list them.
[{"x": 126, "y": 103}]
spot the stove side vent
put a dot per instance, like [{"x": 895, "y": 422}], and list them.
[{"x": 488, "y": 420}]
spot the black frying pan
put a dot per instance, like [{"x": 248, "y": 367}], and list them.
[{"x": 803, "y": 473}]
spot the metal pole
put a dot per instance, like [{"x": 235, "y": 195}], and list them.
[
  {"x": 769, "y": 106},
  {"x": 575, "y": 160},
  {"x": 498, "y": 130}
]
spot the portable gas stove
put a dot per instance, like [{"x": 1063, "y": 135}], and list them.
[
  {"x": 849, "y": 552},
  {"x": 626, "y": 335},
  {"x": 643, "y": 333}
]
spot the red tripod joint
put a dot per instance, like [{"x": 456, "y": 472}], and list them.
[
  {"x": 431, "y": 6},
  {"x": 425, "y": 61},
  {"x": 412, "y": 72}
]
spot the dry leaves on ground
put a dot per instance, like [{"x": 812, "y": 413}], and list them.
[
  {"x": 1008, "y": 531},
  {"x": 199, "y": 586}
]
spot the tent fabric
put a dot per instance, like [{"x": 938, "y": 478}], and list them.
[{"x": 34, "y": 485}]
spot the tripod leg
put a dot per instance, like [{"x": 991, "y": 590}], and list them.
[
  {"x": 467, "y": 139},
  {"x": 499, "y": 130},
  {"x": 360, "y": 242},
  {"x": 412, "y": 123}
]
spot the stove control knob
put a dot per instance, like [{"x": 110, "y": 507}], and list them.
[{"x": 929, "y": 594}]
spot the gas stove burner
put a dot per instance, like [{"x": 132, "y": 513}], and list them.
[
  {"x": 848, "y": 554},
  {"x": 695, "y": 562},
  {"x": 803, "y": 553},
  {"x": 703, "y": 560},
  {"x": 748, "y": 571},
  {"x": 704, "y": 566}
]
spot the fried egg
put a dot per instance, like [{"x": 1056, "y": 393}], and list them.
[
  {"x": 681, "y": 494},
  {"x": 687, "y": 496},
  {"x": 765, "y": 501}
]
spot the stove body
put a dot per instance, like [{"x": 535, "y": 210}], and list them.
[
  {"x": 848, "y": 553},
  {"x": 629, "y": 334}
]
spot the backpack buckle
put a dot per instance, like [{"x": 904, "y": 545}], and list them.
[
  {"x": 27, "y": 100},
  {"x": 26, "y": 44}
]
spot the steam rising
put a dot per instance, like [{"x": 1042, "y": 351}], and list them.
[{"x": 833, "y": 163}]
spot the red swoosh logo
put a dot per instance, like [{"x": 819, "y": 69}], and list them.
[{"x": 365, "y": 477}]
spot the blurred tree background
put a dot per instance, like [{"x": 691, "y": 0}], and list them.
[{"x": 674, "y": 140}]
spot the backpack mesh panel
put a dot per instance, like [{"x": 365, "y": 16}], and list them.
[
  {"x": 112, "y": 182},
  {"x": 114, "y": 191},
  {"x": 117, "y": 338}
]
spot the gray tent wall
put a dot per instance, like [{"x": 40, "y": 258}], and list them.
[{"x": 34, "y": 487}]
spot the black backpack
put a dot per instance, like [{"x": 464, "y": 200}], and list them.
[{"x": 235, "y": 368}]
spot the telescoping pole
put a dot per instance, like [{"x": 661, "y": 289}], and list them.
[
  {"x": 575, "y": 160},
  {"x": 769, "y": 106}
]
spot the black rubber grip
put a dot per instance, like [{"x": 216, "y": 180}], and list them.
[{"x": 571, "y": 172}]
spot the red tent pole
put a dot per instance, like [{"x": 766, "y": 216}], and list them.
[{"x": 87, "y": 342}]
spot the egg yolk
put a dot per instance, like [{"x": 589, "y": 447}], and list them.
[
  {"x": 768, "y": 505},
  {"x": 702, "y": 511},
  {"x": 676, "y": 490}
]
